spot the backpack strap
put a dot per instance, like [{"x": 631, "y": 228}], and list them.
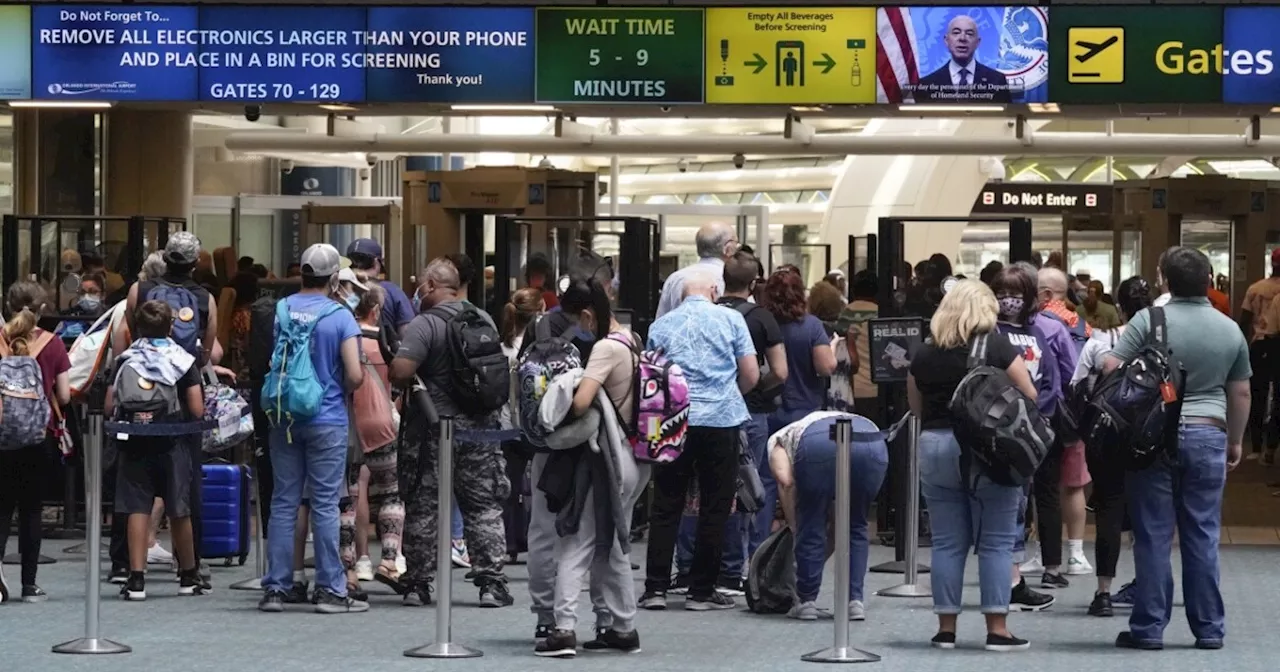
[
  {"x": 33, "y": 349},
  {"x": 1156, "y": 333},
  {"x": 541, "y": 328}
]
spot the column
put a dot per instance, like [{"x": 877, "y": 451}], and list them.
[{"x": 149, "y": 164}]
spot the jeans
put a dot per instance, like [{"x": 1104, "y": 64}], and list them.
[
  {"x": 456, "y": 521},
  {"x": 815, "y": 491},
  {"x": 710, "y": 455},
  {"x": 760, "y": 523},
  {"x": 1182, "y": 493},
  {"x": 316, "y": 460},
  {"x": 964, "y": 513}
]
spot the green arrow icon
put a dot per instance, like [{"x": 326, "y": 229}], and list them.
[
  {"x": 760, "y": 64},
  {"x": 827, "y": 63}
]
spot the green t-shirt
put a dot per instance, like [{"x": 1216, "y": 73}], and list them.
[{"x": 1209, "y": 345}]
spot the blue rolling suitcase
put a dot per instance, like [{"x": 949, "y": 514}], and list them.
[{"x": 225, "y": 509}]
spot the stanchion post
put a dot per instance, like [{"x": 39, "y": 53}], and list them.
[
  {"x": 259, "y": 557},
  {"x": 92, "y": 642},
  {"x": 910, "y": 586},
  {"x": 443, "y": 646},
  {"x": 840, "y": 651}
]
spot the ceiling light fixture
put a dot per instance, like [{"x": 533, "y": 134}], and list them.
[
  {"x": 63, "y": 104},
  {"x": 503, "y": 108},
  {"x": 951, "y": 108},
  {"x": 339, "y": 107}
]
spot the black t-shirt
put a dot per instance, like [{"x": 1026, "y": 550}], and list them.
[
  {"x": 938, "y": 371},
  {"x": 765, "y": 333}
]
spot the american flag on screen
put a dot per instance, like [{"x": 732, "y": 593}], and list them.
[{"x": 896, "y": 65}]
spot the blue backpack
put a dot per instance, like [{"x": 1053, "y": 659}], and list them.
[
  {"x": 187, "y": 328},
  {"x": 291, "y": 390}
]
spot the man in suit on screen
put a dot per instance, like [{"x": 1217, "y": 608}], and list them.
[{"x": 963, "y": 78}]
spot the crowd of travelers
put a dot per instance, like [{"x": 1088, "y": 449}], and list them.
[{"x": 563, "y": 418}]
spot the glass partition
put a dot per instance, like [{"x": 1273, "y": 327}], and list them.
[{"x": 1213, "y": 238}]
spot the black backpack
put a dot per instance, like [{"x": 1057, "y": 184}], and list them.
[
  {"x": 262, "y": 337},
  {"x": 479, "y": 372},
  {"x": 998, "y": 427},
  {"x": 774, "y": 393},
  {"x": 1133, "y": 411}
]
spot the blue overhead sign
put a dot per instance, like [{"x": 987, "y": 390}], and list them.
[
  {"x": 284, "y": 54},
  {"x": 115, "y": 52},
  {"x": 1248, "y": 59},
  {"x": 450, "y": 54}
]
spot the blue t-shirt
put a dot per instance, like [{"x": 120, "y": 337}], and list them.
[
  {"x": 326, "y": 353},
  {"x": 804, "y": 389},
  {"x": 397, "y": 310},
  {"x": 706, "y": 340}
]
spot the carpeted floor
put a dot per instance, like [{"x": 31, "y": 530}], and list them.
[{"x": 224, "y": 633}]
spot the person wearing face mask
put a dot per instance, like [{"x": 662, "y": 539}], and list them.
[{"x": 1049, "y": 357}]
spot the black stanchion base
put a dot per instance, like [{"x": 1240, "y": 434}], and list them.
[
  {"x": 443, "y": 650},
  {"x": 98, "y": 646},
  {"x": 844, "y": 655},
  {"x": 16, "y": 559},
  {"x": 897, "y": 567}
]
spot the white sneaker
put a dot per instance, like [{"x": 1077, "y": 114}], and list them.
[
  {"x": 1078, "y": 565},
  {"x": 364, "y": 569},
  {"x": 157, "y": 555},
  {"x": 402, "y": 565},
  {"x": 1032, "y": 566},
  {"x": 807, "y": 611},
  {"x": 857, "y": 611},
  {"x": 459, "y": 554}
]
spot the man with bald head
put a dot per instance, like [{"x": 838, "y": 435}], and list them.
[
  {"x": 715, "y": 242},
  {"x": 713, "y": 346},
  {"x": 480, "y": 482},
  {"x": 962, "y": 79}
]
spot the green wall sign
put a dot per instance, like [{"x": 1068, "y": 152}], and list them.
[
  {"x": 619, "y": 55},
  {"x": 1103, "y": 55}
]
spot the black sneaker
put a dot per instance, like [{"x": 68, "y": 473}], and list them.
[
  {"x": 1006, "y": 643},
  {"x": 119, "y": 575},
  {"x": 135, "y": 588},
  {"x": 653, "y": 600},
  {"x": 609, "y": 640},
  {"x": 494, "y": 594},
  {"x": 561, "y": 644},
  {"x": 1125, "y": 640},
  {"x": 357, "y": 593},
  {"x": 1101, "y": 606},
  {"x": 4, "y": 587},
  {"x": 190, "y": 583},
  {"x": 418, "y": 596},
  {"x": 730, "y": 586},
  {"x": 542, "y": 631},
  {"x": 680, "y": 585},
  {"x": 272, "y": 602},
  {"x": 1022, "y": 598},
  {"x": 716, "y": 601},
  {"x": 1208, "y": 644},
  {"x": 1052, "y": 580},
  {"x": 297, "y": 593},
  {"x": 328, "y": 603},
  {"x": 943, "y": 640},
  {"x": 32, "y": 594}
]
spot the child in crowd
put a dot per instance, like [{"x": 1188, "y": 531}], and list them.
[{"x": 156, "y": 383}]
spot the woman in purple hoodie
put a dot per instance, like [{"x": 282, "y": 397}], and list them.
[{"x": 1050, "y": 358}]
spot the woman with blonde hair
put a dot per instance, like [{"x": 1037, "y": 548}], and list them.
[
  {"x": 22, "y": 468},
  {"x": 965, "y": 512}
]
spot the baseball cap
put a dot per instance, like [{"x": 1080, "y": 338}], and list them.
[
  {"x": 322, "y": 260},
  {"x": 366, "y": 246},
  {"x": 348, "y": 275},
  {"x": 183, "y": 248}
]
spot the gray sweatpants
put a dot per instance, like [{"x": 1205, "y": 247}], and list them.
[{"x": 613, "y": 588}]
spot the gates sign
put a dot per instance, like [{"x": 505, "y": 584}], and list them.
[{"x": 1139, "y": 55}]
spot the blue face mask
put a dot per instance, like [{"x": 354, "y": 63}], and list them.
[
  {"x": 352, "y": 301},
  {"x": 417, "y": 300}
]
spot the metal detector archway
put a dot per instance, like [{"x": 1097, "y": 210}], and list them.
[
  {"x": 635, "y": 268},
  {"x": 890, "y": 260}
]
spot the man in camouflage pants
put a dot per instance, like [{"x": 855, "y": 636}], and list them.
[{"x": 480, "y": 480}]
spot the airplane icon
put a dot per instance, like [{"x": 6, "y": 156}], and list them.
[
  {"x": 1096, "y": 55},
  {"x": 1094, "y": 48}
]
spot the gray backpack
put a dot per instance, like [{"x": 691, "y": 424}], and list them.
[
  {"x": 139, "y": 401},
  {"x": 771, "y": 574},
  {"x": 24, "y": 408}
]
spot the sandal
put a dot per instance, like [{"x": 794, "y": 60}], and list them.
[{"x": 390, "y": 579}]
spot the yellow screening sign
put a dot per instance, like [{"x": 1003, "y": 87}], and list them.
[{"x": 799, "y": 55}]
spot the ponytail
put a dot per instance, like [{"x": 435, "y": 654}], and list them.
[
  {"x": 589, "y": 294},
  {"x": 23, "y": 299},
  {"x": 508, "y": 324}
]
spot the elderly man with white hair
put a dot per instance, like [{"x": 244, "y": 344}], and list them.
[
  {"x": 713, "y": 347},
  {"x": 715, "y": 242}
]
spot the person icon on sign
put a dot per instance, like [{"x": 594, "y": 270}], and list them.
[{"x": 789, "y": 67}]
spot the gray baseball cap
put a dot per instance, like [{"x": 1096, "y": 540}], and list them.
[
  {"x": 183, "y": 248},
  {"x": 322, "y": 260}
]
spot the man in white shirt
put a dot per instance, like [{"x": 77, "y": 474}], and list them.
[{"x": 715, "y": 242}]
